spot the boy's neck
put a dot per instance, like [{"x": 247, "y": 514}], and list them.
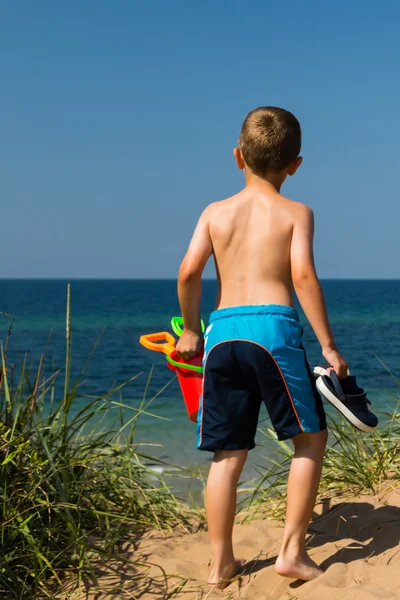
[{"x": 271, "y": 182}]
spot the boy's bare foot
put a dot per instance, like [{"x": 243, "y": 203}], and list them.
[
  {"x": 300, "y": 567},
  {"x": 223, "y": 578}
]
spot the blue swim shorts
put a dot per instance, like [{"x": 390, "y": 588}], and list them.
[{"x": 254, "y": 354}]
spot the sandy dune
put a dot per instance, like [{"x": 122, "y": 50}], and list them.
[{"x": 357, "y": 542}]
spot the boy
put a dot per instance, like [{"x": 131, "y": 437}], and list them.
[{"x": 262, "y": 245}]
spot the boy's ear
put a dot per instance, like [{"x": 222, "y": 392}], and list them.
[
  {"x": 239, "y": 159},
  {"x": 294, "y": 166}
]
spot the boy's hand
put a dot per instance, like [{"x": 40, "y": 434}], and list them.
[
  {"x": 336, "y": 361},
  {"x": 189, "y": 344}
]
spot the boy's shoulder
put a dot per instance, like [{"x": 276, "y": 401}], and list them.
[
  {"x": 220, "y": 205},
  {"x": 295, "y": 204},
  {"x": 226, "y": 202},
  {"x": 299, "y": 210}
]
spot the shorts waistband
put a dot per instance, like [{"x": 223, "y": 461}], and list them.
[{"x": 262, "y": 309}]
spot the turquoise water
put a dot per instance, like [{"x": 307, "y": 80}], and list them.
[{"x": 365, "y": 316}]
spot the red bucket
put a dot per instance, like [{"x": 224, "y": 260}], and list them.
[{"x": 191, "y": 382}]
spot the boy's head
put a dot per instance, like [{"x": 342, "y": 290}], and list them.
[{"x": 270, "y": 141}]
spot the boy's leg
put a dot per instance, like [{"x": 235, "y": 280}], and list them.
[
  {"x": 304, "y": 478},
  {"x": 221, "y": 493}
]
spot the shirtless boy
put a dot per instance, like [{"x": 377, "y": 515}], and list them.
[{"x": 262, "y": 245}]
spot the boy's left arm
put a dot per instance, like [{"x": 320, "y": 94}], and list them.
[{"x": 189, "y": 287}]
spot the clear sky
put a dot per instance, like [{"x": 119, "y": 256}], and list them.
[{"x": 118, "y": 120}]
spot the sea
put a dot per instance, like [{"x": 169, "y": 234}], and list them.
[{"x": 365, "y": 317}]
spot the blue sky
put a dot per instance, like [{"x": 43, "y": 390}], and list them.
[{"x": 118, "y": 121}]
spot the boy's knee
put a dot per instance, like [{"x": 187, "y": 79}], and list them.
[
  {"x": 231, "y": 459},
  {"x": 315, "y": 441}
]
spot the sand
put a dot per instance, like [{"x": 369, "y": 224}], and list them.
[{"x": 355, "y": 540}]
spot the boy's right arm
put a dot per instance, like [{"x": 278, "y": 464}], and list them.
[{"x": 308, "y": 288}]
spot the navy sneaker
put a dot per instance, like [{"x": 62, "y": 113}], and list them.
[{"x": 347, "y": 398}]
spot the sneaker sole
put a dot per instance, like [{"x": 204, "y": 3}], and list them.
[{"x": 326, "y": 392}]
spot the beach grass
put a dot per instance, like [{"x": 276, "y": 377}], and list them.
[{"x": 71, "y": 485}]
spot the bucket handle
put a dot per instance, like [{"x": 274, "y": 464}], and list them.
[
  {"x": 152, "y": 341},
  {"x": 177, "y": 325},
  {"x": 180, "y": 365}
]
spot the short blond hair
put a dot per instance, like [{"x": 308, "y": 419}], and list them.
[{"x": 270, "y": 139}]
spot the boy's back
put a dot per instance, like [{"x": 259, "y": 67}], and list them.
[{"x": 251, "y": 235}]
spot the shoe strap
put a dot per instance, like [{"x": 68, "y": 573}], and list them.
[{"x": 337, "y": 387}]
